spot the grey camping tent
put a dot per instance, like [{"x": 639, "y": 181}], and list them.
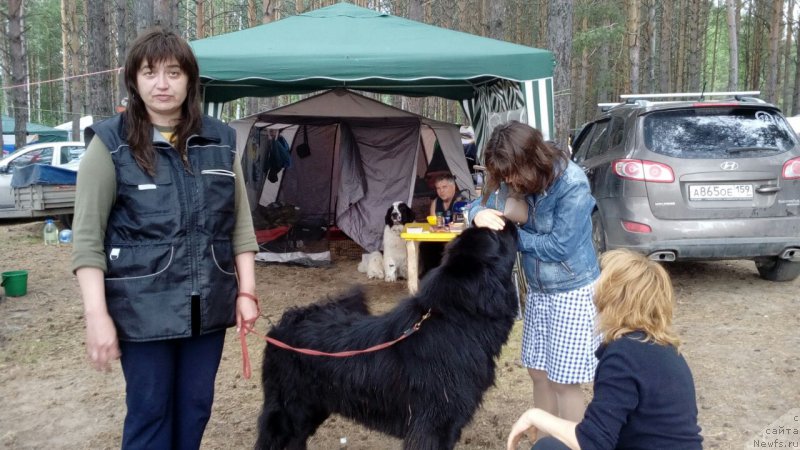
[{"x": 350, "y": 158}]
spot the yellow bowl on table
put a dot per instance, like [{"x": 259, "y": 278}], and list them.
[{"x": 432, "y": 220}]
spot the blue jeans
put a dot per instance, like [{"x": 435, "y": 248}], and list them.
[
  {"x": 549, "y": 443},
  {"x": 169, "y": 390}
]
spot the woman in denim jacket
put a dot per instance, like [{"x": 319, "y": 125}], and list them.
[{"x": 536, "y": 185}]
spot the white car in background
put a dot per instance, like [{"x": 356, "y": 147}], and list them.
[{"x": 59, "y": 154}]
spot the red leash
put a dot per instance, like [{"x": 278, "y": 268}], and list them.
[{"x": 246, "y": 371}]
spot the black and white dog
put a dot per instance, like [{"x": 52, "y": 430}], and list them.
[{"x": 393, "y": 263}]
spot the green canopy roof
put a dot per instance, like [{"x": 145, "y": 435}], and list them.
[
  {"x": 46, "y": 134},
  {"x": 348, "y": 46}
]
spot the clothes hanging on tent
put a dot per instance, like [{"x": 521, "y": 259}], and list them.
[{"x": 278, "y": 158}]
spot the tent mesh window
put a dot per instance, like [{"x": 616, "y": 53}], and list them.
[{"x": 345, "y": 250}]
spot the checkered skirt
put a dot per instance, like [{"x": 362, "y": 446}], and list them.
[{"x": 559, "y": 337}]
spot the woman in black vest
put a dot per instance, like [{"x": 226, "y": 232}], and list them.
[{"x": 163, "y": 245}]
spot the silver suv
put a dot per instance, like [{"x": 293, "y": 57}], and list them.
[{"x": 696, "y": 180}]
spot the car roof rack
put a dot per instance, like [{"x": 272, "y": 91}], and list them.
[{"x": 643, "y": 99}]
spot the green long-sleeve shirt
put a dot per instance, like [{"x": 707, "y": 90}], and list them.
[{"x": 95, "y": 196}]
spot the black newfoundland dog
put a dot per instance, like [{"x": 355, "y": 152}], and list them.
[{"x": 423, "y": 389}]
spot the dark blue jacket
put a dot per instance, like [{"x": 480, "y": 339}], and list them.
[
  {"x": 556, "y": 241},
  {"x": 169, "y": 237},
  {"x": 644, "y": 398}
]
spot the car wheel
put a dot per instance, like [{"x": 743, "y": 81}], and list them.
[
  {"x": 776, "y": 269},
  {"x": 598, "y": 233}
]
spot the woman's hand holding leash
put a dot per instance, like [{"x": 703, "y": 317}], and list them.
[{"x": 247, "y": 311}]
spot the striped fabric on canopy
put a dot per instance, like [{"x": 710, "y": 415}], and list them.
[
  {"x": 505, "y": 95},
  {"x": 505, "y": 100}
]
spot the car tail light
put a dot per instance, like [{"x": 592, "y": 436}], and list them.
[
  {"x": 642, "y": 170},
  {"x": 636, "y": 227},
  {"x": 791, "y": 169}
]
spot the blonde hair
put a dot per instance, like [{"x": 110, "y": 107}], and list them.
[{"x": 634, "y": 293}]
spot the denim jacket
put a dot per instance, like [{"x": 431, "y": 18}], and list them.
[{"x": 556, "y": 241}]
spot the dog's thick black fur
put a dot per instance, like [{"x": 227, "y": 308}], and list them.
[{"x": 424, "y": 389}]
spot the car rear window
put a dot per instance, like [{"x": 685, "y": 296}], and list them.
[{"x": 717, "y": 132}]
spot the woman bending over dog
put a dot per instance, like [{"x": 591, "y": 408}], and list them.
[
  {"x": 535, "y": 184},
  {"x": 644, "y": 393}
]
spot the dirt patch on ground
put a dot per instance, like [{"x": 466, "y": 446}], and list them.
[{"x": 740, "y": 337}]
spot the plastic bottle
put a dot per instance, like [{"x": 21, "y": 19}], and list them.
[
  {"x": 50, "y": 232},
  {"x": 65, "y": 236}
]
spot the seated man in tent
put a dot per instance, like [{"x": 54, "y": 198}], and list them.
[
  {"x": 445, "y": 185},
  {"x": 430, "y": 253}
]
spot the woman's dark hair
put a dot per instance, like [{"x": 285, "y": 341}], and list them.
[
  {"x": 157, "y": 46},
  {"x": 517, "y": 152}
]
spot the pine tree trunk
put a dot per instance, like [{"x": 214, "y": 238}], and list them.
[
  {"x": 19, "y": 70},
  {"x": 497, "y": 15},
  {"x": 733, "y": 44},
  {"x": 580, "y": 105},
  {"x": 652, "y": 39},
  {"x": 772, "y": 61},
  {"x": 714, "y": 51},
  {"x": 787, "y": 60},
  {"x": 632, "y": 40},
  {"x": 796, "y": 96},
  {"x": 757, "y": 44},
  {"x": 70, "y": 40},
  {"x": 268, "y": 11},
  {"x": 123, "y": 33},
  {"x": 165, "y": 14},
  {"x": 252, "y": 20},
  {"x": 99, "y": 60},
  {"x": 142, "y": 14},
  {"x": 604, "y": 80},
  {"x": 559, "y": 35},
  {"x": 681, "y": 55},
  {"x": 416, "y": 12},
  {"x": 5, "y": 76},
  {"x": 665, "y": 48},
  {"x": 200, "y": 19},
  {"x": 694, "y": 68}
]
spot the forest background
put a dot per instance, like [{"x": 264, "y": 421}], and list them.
[{"x": 59, "y": 58}]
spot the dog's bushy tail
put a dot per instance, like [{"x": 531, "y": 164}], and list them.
[{"x": 353, "y": 301}]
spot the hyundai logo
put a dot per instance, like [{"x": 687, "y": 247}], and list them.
[{"x": 729, "y": 165}]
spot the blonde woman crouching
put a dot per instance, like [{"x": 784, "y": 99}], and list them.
[{"x": 644, "y": 393}]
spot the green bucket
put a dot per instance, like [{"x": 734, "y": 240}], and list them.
[{"x": 15, "y": 282}]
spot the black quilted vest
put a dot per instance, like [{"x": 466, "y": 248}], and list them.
[{"x": 169, "y": 237}]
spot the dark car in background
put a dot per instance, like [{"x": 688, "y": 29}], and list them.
[{"x": 696, "y": 180}]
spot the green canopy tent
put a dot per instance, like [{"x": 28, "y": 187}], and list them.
[
  {"x": 43, "y": 132},
  {"x": 348, "y": 46}
]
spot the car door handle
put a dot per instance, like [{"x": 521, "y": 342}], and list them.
[{"x": 767, "y": 189}]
